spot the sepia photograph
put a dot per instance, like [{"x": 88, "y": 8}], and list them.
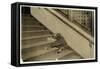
[{"x": 50, "y": 34}]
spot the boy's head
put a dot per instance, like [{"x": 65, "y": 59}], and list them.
[{"x": 56, "y": 35}]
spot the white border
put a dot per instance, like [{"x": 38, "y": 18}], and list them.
[{"x": 21, "y": 61}]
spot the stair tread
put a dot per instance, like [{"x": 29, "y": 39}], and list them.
[
  {"x": 27, "y": 17},
  {"x": 36, "y": 53},
  {"x": 30, "y": 23},
  {"x": 38, "y": 44},
  {"x": 71, "y": 56},
  {"x": 34, "y": 37},
  {"x": 32, "y": 26},
  {"x": 53, "y": 55},
  {"x": 34, "y": 31},
  {"x": 25, "y": 14}
]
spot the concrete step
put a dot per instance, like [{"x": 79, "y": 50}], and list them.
[
  {"x": 30, "y": 22},
  {"x": 35, "y": 33},
  {"x": 33, "y": 28},
  {"x": 32, "y": 41},
  {"x": 71, "y": 56},
  {"x": 35, "y": 37},
  {"x": 53, "y": 55},
  {"x": 34, "y": 48},
  {"x": 28, "y": 17},
  {"x": 35, "y": 53},
  {"x": 39, "y": 43}
]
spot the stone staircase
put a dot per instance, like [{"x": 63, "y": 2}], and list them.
[{"x": 36, "y": 38}]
